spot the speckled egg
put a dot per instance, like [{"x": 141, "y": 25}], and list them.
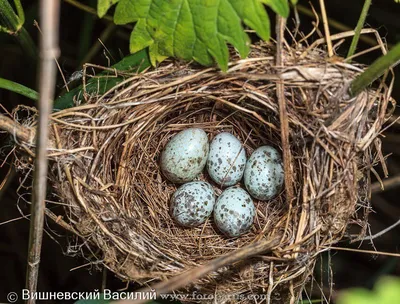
[
  {"x": 234, "y": 212},
  {"x": 263, "y": 176},
  {"x": 192, "y": 203},
  {"x": 226, "y": 160},
  {"x": 185, "y": 155}
]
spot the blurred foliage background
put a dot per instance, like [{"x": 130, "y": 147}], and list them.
[{"x": 80, "y": 36}]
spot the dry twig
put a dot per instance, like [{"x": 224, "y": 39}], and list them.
[{"x": 49, "y": 16}]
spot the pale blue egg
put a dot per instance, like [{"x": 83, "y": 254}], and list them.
[
  {"x": 234, "y": 212},
  {"x": 185, "y": 155},
  {"x": 264, "y": 175},
  {"x": 192, "y": 203},
  {"x": 226, "y": 160}
]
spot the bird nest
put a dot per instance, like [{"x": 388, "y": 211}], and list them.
[{"x": 105, "y": 169}]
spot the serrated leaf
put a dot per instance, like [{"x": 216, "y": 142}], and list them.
[
  {"x": 195, "y": 29},
  {"x": 103, "y": 6}
]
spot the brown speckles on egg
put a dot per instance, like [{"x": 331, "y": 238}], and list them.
[
  {"x": 185, "y": 155},
  {"x": 263, "y": 175},
  {"x": 233, "y": 215},
  {"x": 226, "y": 160},
  {"x": 192, "y": 203}
]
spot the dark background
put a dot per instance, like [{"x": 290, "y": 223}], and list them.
[{"x": 79, "y": 31}]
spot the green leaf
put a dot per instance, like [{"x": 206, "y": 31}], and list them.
[
  {"x": 386, "y": 291},
  {"x": 135, "y": 62},
  {"x": 18, "y": 88},
  {"x": 195, "y": 29},
  {"x": 280, "y": 7},
  {"x": 294, "y": 2},
  {"x": 357, "y": 296},
  {"x": 103, "y": 6}
]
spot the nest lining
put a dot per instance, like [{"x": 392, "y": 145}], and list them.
[{"x": 105, "y": 166}]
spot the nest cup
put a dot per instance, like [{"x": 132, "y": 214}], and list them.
[{"x": 105, "y": 167}]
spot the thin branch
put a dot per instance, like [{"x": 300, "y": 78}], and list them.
[
  {"x": 93, "y": 11},
  {"x": 104, "y": 36},
  {"x": 326, "y": 28},
  {"x": 86, "y": 8},
  {"x": 287, "y": 156},
  {"x": 363, "y": 251},
  {"x": 386, "y": 184},
  {"x": 382, "y": 232},
  {"x": 360, "y": 25},
  {"x": 49, "y": 15},
  {"x": 36, "y": 24},
  {"x": 19, "y": 132},
  {"x": 193, "y": 275},
  {"x": 336, "y": 24}
]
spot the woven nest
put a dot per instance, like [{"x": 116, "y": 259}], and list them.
[{"x": 105, "y": 168}]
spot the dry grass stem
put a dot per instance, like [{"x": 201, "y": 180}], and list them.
[{"x": 49, "y": 15}]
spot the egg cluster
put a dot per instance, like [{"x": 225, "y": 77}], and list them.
[{"x": 189, "y": 152}]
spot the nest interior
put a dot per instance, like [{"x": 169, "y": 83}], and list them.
[{"x": 105, "y": 166}]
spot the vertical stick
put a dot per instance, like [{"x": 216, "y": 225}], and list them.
[
  {"x": 360, "y": 25},
  {"x": 326, "y": 28},
  {"x": 287, "y": 156},
  {"x": 49, "y": 16}
]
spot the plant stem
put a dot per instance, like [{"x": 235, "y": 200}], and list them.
[
  {"x": 336, "y": 24},
  {"x": 13, "y": 25},
  {"x": 93, "y": 11},
  {"x": 15, "y": 129},
  {"x": 109, "y": 30},
  {"x": 18, "y": 88},
  {"x": 27, "y": 44},
  {"x": 8, "y": 19},
  {"x": 20, "y": 11},
  {"x": 326, "y": 27},
  {"x": 360, "y": 25},
  {"x": 283, "y": 116},
  {"x": 85, "y": 36},
  {"x": 49, "y": 17},
  {"x": 375, "y": 70},
  {"x": 87, "y": 9}
]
